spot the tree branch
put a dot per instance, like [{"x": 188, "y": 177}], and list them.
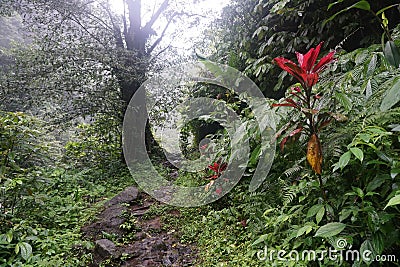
[
  {"x": 154, "y": 18},
  {"x": 115, "y": 28},
  {"x": 176, "y": 14},
  {"x": 157, "y": 42},
  {"x": 159, "y": 53}
]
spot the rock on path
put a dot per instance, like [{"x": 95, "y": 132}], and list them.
[{"x": 149, "y": 246}]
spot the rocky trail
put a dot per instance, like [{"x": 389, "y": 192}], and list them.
[{"x": 126, "y": 234}]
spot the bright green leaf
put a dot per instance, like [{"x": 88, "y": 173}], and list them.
[
  {"x": 320, "y": 215},
  {"x": 313, "y": 210},
  {"x": 344, "y": 159},
  {"x": 304, "y": 230},
  {"x": 365, "y": 247},
  {"x": 393, "y": 201},
  {"x": 358, "y": 191},
  {"x": 344, "y": 100},
  {"x": 260, "y": 239},
  {"x": 364, "y": 5},
  {"x": 358, "y": 153},
  {"x": 392, "y": 54},
  {"x": 392, "y": 97},
  {"x": 26, "y": 250},
  {"x": 330, "y": 229},
  {"x": 344, "y": 214}
]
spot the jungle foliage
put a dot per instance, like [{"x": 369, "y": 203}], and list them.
[{"x": 62, "y": 101}]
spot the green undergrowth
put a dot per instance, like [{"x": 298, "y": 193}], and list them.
[
  {"x": 45, "y": 198},
  {"x": 48, "y": 232}
]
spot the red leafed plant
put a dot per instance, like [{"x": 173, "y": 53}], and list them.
[
  {"x": 217, "y": 169},
  {"x": 305, "y": 101}
]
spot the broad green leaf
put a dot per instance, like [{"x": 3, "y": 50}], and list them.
[
  {"x": 313, "y": 210},
  {"x": 357, "y": 152},
  {"x": 393, "y": 201},
  {"x": 320, "y": 215},
  {"x": 344, "y": 214},
  {"x": 358, "y": 191},
  {"x": 26, "y": 250},
  {"x": 254, "y": 155},
  {"x": 344, "y": 160},
  {"x": 392, "y": 54},
  {"x": 392, "y": 97},
  {"x": 376, "y": 182},
  {"x": 330, "y": 229},
  {"x": 9, "y": 236},
  {"x": 372, "y": 65},
  {"x": 364, "y": 5},
  {"x": 394, "y": 172},
  {"x": 367, "y": 250},
  {"x": 304, "y": 230},
  {"x": 365, "y": 137},
  {"x": 378, "y": 242}
]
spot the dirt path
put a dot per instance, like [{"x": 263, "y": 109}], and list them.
[{"x": 127, "y": 234}]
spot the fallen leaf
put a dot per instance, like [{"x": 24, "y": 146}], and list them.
[{"x": 314, "y": 153}]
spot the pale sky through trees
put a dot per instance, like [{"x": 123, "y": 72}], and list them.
[{"x": 179, "y": 35}]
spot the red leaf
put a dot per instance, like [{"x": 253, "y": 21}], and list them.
[
  {"x": 306, "y": 72},
  {"x": 324, "y": 61},
  {"x": 298, "y": 130},
  {"x": 308, "y": 60},
  {"x": 291, "y": 101},
  {"x": 214, "y": 167},
  {"x": 283, "y": 142}
]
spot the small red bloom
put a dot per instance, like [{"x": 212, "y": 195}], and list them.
[
  {"x": 296, "y": 89},
  {"x": 306, "y": 72}
]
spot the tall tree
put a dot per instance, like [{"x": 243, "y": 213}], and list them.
[{"x": 84, "y": 57}]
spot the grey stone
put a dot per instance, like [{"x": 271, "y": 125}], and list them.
[
  {"x": 126, "y": 196},
  {"x": 106, "y": 248}
]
